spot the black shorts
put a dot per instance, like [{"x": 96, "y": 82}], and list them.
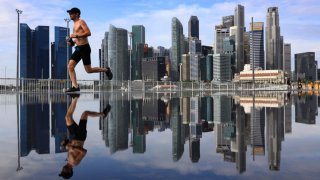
[
  {"x": 79, "y": 132},
  {"x": 82, "y": 52}
]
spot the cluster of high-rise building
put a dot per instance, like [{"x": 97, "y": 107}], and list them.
[
  {"x": 130, "y": 57},
  {"x": 35, "y": 52},
  {"x": 146, "y": 62},
  {"x": 238, "y": 122},
  {"x": 189, "y": 60}
]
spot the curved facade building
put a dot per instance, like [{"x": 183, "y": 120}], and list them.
[
  {"x": 118, "y": 58},
  {"x": 176, "y": 48}
]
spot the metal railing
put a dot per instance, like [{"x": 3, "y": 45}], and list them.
[{"x": 59, "y": 85}]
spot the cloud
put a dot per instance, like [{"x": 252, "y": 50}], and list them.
[{"x": 298, "y": 21}]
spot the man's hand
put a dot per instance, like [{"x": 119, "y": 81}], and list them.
[
  {"x": 74, "y": 35},
  {"x": 70, "y": 42}
]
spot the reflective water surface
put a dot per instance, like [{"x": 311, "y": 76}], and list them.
[{"x": 173, "y": 136}]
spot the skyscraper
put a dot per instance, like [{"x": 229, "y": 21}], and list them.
[
  {"x": 25, "y": 51},
  {"x": 305, "y": 66},
  {"x": 59, "y": 58},
  {"x": 272, "y": 39},
  {"x": 138, "y": 37},
  {"x": 228, "y": 21},
  {"x": 221, "y": 67},
  {"x": 246, "y": 47},
  {"x": 104, "y": 55},
  {"x": 118, "y": 53},
  {"x": 239, "y": 22},
  {"x": 221, "y": 32},
  {"x": 41, "y": 49},
  {"x": 257, "y": 45},
  {"x": 193, "y": 27},
  {"x": 229, "y": 49},
  {"x": 34, "y": 52},
  {"x": 185, "y": 74},
  {"x": 153, "y": 68},
  {"x": 281, "y": 65},
  {"x": 287, "y": 58},
  {"x": 195, "y": 53},
  {"x": 177, "y": 40},
  {"x": 194, "y": 67},
  {"x": 208, "y": 67}
]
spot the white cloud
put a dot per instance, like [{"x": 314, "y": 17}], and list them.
[{"x": 298, "y": 22}]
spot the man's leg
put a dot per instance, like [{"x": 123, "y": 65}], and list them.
[
  {"x": 90, "y": 69},
  {"x": 72, "y": 107},
  {"x": 72, "y": 73},
  {"x": 86, "y": 114},
  {"x": 103, "y": 114},
  {"x": 86, "y": 58}
]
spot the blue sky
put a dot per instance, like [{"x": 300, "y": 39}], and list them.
[{"x": 299, "y": 21}]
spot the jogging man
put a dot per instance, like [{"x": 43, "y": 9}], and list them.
[{"x": 79, "y": 37}]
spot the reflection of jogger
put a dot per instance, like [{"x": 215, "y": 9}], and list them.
[{"x": 78, "y": 134}]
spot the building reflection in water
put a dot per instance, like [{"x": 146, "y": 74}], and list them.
[
  {"x": 238, "y": 122},
  {"x": 59, "y": 128},
  {"x": 34, "y": 125},
  {"x": 177, "y": 130},
  {"x": 306, "y": 109},
  {"x": 139, "y": 137},
  {"x": 117, "y": 125}
]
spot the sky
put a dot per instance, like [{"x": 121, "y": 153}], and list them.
[{"x": 299, "y": 22}]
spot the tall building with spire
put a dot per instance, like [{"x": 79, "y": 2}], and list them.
[
  {"x": 177, "y": 42},
  {"x": 273, "y": 39}
]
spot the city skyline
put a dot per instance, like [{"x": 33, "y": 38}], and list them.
[{"x": 294, "y": 18}]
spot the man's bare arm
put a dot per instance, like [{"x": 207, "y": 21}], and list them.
[{"x": 86, "y": 31}]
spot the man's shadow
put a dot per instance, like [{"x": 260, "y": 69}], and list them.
[{"x": 77, "y": 136}]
